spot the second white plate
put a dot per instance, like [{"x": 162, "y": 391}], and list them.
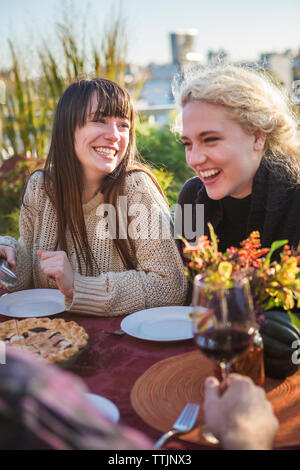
[
  {"x": 105, "y": 406},
  {"x": 159, "y": 324},
  {"x": 32, "y": 303}
]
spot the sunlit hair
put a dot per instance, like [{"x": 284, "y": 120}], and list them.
[
  {"x": 63, "y": 174},
  {"x": 253, "y": 101}
]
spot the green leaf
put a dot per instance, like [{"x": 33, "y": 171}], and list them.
[
  {"x": 275, "y": 246},
  {"x": 295, "y": 320}
]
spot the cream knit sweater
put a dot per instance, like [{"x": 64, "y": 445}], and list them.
[{"x": 112, "y": 290}]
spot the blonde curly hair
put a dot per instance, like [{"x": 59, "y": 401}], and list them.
[{"x": 256, "y": 103}]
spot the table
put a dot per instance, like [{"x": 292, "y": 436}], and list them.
[{"x": 111, "y": 364}]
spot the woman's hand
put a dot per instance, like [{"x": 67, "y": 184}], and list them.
[
  {"x": 56, "y": 266},
  {"x": 9, "y": 254}
]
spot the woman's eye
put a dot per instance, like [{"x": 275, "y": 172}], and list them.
[
  {"x": 185, "y": 144},
  {"x": 211, "y": 139},
  {"x": 101, "y": 120}
]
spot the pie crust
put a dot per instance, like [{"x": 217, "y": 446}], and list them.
[{"x": 54, "y": 340}]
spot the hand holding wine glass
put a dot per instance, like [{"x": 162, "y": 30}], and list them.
[
  {"x": 223, "y": 320},
  {"x": 242, "y": 417},
  {"x": 223, "y": 323}
]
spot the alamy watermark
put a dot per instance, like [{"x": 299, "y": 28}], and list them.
[
  {"x": 139, "y": 221},
  {"x": 296, "y": 354},
  {"x": 2, "y": 353}
]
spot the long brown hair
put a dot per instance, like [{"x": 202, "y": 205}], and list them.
[{"x": 63, "y": 176}]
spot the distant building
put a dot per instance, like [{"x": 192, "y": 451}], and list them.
[
  {"x": 182, "y": 43},
  {"x": 296, "y": 66},
  {"x": 217, "y": 56},
  {"x": 281, "y": 65},
  {"x": 157, "y": 89},
  {"x": 156, "y": 100}
]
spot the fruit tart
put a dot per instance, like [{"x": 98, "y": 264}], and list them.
[{"x": 54, "y": 340}]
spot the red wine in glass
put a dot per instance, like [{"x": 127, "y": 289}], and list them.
[
  {"x": 223, "y": 322},
  {"x": 223, "y": 344}
]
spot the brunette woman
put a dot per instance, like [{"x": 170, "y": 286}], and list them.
[{"x": 94, "y": 223}]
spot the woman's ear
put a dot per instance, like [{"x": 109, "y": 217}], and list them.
[{"x": 259, "y": 140}]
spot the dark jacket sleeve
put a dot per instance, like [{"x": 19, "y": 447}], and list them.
[
  {"x": 187, "y": 215},
  {"x": 187, "y": 196}
]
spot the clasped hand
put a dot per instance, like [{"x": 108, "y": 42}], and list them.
[{"x": 56, "y": 266}]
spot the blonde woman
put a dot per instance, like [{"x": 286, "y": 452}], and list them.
[
  {"x": 70, "y": 239},
  {"x": 241, "y": 139}
]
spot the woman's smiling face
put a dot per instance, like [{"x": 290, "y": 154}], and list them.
[
  {"x": 101, "y": 144},
  {"x": 222, "y": 154}
]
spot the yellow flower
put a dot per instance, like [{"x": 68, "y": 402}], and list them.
[
  {"x": 225, "y": 269},
  {"x": 289, "y": 301},
  {"x": 272, "y": 292}
]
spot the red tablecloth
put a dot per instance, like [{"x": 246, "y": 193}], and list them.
[{"x": 111, "y": 364}]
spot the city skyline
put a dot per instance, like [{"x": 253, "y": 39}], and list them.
[{"x": 243, "y": 28}]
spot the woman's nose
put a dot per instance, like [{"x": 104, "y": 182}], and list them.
[
  {"x": 112, "y": 133},
  {"x": 195, "y": 158}
]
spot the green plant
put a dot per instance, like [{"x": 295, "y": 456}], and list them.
[
  {"x": 28, "y": 112},
  {"x": 30, "y": 105},
  {"x": 12, "y": 184},
  {"x": 160, "y": 148}
]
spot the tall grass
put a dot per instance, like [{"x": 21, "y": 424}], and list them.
[{"x": 30, "y": 103}]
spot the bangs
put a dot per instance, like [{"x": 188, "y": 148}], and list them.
[
  {"x": 76, "y": 103},
  {"x": 111, "y": 99}
]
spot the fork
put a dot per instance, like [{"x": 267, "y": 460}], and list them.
[
  {"x": 119, "y": 332},
  {"x": 184, "y": 423}
]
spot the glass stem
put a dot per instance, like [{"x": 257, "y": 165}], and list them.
[{"x": 225, "y": 370}]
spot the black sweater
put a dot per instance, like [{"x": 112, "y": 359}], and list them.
[{"x": 273, "y": 209}]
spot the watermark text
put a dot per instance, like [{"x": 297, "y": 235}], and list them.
[
  {"x": 2, "y": 353},
  {"x": 141, "y": 222}
]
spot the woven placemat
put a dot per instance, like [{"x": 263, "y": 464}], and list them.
[{"x": 159, "y": 395}]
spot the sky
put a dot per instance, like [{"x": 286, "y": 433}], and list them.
[{"x": 244, "y": 28}]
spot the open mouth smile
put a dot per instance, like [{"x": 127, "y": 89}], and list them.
[
  {"x": 209, "y": 176},
  {"x": 106, "y": 152}
]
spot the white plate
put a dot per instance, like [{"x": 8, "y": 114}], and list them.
[
  {"x": 160, "y": 324},
  {"x": 105, "y": 406},
  {"x": 32, "y": 303}
]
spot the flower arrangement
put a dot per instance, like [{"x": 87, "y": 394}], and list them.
[{"x": 274, "y": 284}]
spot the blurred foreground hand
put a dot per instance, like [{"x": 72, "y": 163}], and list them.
[{"x": 242, "y": 417}]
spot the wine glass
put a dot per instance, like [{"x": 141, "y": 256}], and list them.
[{"x": 223, "y": 322}]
